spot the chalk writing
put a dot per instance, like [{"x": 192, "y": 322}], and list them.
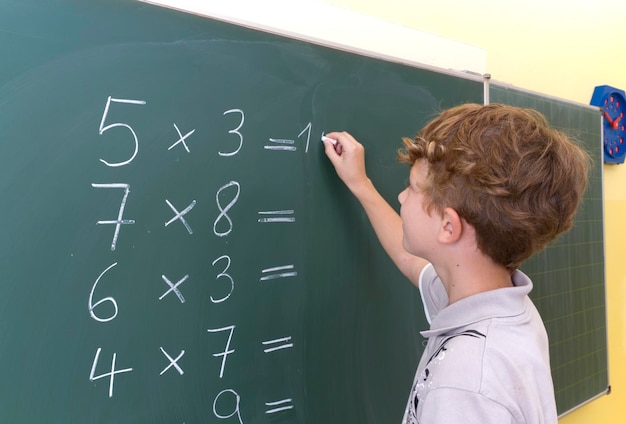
[
  {"x": 173, "y": 362},
  {"x": 119, "y": 221},
  {"x": 276, "y": 216},
  {"x": 119, "y": 124},
  {"x": 282, "y": 144},
  {"x": 284, "y": 271},
  {"x": 174, "y": 288},
  {"x": 278, "y": 406},
  {"x": 181, "y": 139},
  {"x": 235, "y": 411},
  {"x": 307, "y": 131},
  {"x": 288, "y": 145},
  {"x": 286, "y": 344},
  {"x": 111, "y": 374},
  {"x": 235, "y": 131},
  {"x": 92, "y": 305},
  {"x": 224, "y": 210},
  {"x": 180, "y": 215},
  {"x": 226, "y": 404},
  {"x": 227, "y": 351},
  {"x": 224, "y": 274}
]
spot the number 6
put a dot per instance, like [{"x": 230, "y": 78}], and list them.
[{"x": 106, "y": 299}]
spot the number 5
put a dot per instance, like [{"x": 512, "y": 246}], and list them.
[{"x": 119, "y": 124}]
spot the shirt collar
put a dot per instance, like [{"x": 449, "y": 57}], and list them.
[{"x": 505, "y": 302}]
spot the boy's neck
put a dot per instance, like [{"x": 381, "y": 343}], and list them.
[{"x": 464, "y": 278}]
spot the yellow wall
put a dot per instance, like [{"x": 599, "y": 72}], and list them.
[{"x": 559, "y": 48}]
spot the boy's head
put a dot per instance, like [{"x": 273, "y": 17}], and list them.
[{"x": 517, "y": 181}]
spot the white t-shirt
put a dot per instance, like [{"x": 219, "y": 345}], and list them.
[{"x": 486, "y": 360}]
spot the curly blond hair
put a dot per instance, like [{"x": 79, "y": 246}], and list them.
[{"x": 517, "y": 181}]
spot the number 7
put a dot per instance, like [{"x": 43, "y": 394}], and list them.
[
  {"x": 227, "y": 350},
  {"x": 118, "y": 223},
  {"x": 119, "y": 124}
]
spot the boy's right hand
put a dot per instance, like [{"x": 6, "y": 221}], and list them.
[{"x": 348, "y": 158}]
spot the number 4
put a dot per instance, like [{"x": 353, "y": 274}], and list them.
[{"x": 111, "y": 374}]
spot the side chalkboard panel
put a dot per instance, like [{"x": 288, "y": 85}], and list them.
[
  {"x": 569, "y": 276},
  {"x": 175, "y": 246}
]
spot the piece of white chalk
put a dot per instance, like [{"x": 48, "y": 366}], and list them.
[{"x": 332, "y": 140}]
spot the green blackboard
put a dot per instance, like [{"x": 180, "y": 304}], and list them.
[
  {"x": 569, "y": 279},
  {"x": 175, "y": 247}
]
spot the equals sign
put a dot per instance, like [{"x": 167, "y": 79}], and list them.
[
  {"x": 278, "y": 272},
  {"x": 281, "y": 144},
  {"x": 286, "y": 344},
  {"x": 279, "y": 405},
  {"x": 277, "y": 216}
]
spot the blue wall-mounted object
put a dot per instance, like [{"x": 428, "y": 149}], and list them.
[{"x": 612, "y": 101}]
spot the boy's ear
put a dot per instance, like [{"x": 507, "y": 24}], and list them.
[{"x": 451, "y": 226}]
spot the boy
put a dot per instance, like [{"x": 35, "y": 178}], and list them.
[{"x": 488, "y": 187}]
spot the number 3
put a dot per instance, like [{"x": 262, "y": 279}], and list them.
[
  {"x": 235, "y": 131},
  {"x": 224, "y": 274}
]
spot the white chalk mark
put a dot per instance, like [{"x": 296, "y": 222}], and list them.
[
  {"x": 174, "y": 288},
  {"x": 281, "y": 405},
  {"x": 273, "y": 218},
  {"x": 272, "y": 274},
  {"x": 224, "y": 274},
  {"x": 282, "y": 144},
  {"x": 111, "y": 375},
  {"x": 235, "y": 411},
  {"x": 286, "y": 144},
  {"x": 181, "y": 139},
  {"x": 179, "y": 215},
  {"x": 102, "y": 128},
  {"x": 281, "y": 141},
  {"x": 227, "y": 350},
  {"x": 235, "y": 131},
  {"x": 119, "y": 222},
  {"x": 224, "y": 210},
  {"x": 276, "y": 342},
  {"x": 173, "y": 362},
  {"x": 92, "y": 305},
  {"x": 306, "y": 130}
]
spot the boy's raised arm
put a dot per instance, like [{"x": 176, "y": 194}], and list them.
[{"x": 348, "y": 158}]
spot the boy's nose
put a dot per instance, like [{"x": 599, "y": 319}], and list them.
[{"x": 402, "y": 195}]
